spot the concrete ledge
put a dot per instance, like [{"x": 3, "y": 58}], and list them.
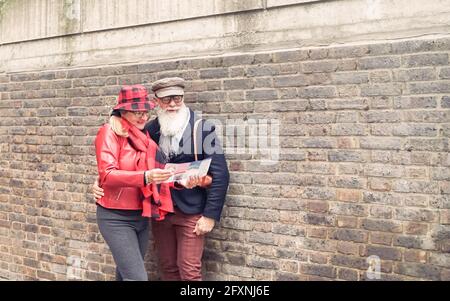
[
  {"x": 252, "y": 28},
  {"x": 25, "y": 20},
  {"x": 277, "y": 3}
]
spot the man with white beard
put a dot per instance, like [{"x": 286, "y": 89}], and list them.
[
  {"x": 180, "y": 237},
  {"x": 173, "y": 122}
]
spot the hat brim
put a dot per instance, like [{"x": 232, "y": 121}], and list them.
[
  {"x": 136, "y": 106},
  {"x": 169, "y": 91}
]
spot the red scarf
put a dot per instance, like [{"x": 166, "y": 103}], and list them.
[{"x": 157, "y": 200}]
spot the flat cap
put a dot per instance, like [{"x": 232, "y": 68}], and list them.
[{"x": 168, "y": 86}]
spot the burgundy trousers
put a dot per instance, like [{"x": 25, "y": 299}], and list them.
[{"x": 179, "y": 249}]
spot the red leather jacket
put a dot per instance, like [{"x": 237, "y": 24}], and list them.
[{"x": 116, "y": 163}]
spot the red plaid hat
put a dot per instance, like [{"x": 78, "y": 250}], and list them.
[{"x": 134, "y": 98}]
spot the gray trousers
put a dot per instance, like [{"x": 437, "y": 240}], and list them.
[{"x": 127, "y": 233}]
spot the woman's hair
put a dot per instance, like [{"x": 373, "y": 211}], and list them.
[{"x": 116, "y": 125}]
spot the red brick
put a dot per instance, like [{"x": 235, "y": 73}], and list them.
[
  {"x": 445, "y": 217},
  {"x": 416, "y": 256},
  {"x": 381, "y": 238},
  {"x": 317, "y": 232},
  {"x": 347, "y": 195},
  {"x": 416, "y": 228},
  {"x": 318, "y": 258},
  {"x": 347, "y": 248},
  {"x": 347, "y": 222},
  {"x": 317, "y": 206}
]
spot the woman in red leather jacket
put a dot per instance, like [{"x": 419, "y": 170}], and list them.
[{"x": 132, "y": 179}]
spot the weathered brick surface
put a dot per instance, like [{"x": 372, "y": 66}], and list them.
[{"x": 363, "y": 169}]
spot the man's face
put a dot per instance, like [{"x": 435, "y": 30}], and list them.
[{"x": 170, "y": 104}]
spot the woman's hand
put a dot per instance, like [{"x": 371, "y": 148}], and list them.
[
  {"x": 97, "y": 190},
  {"x": 158, "y": 175}
]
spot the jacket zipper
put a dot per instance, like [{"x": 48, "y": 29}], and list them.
[{"x": 120, "y": 193}]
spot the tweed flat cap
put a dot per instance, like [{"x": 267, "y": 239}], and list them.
[{"x": 168, "y": 86}]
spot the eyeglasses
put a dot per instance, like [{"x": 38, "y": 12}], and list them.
[
  {"x": 139, "y": 113},
  {"x": 168, "y": 99}
]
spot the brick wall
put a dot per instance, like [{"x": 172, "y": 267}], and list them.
[{"x": 363, "y": 170}]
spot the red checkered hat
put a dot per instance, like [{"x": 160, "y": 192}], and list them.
[{"x": 134, "y": 98}]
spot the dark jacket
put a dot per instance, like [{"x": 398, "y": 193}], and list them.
[{"x": 209, "y": 202}]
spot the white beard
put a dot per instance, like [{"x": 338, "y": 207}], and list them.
[
  {"x": 172, "y": 123},
  {"x": 172, "y": 126}
]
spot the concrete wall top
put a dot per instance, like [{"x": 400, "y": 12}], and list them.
[
  {"x": 275, "y": 3},
  {"x": 27, "y": 20},
  {"x": 24, "y": 20},
  {"x": 38, "y": 34},
  {"x": 106, "y": 14}
]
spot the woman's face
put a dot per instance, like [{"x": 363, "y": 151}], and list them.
[{"x": 138, "y": 119}]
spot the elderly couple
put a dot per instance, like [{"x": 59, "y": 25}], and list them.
[{"x": 132, "y": 187}]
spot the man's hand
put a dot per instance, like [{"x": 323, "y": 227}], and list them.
[
  {"x": 97, "y": 190},
  {"x": 191, "y": 182},
  {"x": 204, "y": 225}
]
